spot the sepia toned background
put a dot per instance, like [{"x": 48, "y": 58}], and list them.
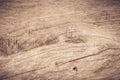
[{"x": 59, "y": 39}]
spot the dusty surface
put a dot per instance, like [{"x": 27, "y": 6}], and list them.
[{"x": 60, "y": 40}]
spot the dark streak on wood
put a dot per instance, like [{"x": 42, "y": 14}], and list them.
[{"x": 98, "y": 53}]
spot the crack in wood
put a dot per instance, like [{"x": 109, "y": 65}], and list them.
[{"x": 91, "y": 55}]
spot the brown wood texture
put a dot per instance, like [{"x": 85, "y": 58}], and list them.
[{"x": 59, "y": 40}]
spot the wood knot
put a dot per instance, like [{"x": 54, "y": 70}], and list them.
[{"x": 75, "y": 69}]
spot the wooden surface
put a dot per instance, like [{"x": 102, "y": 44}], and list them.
[{"x": 59, "y": 40}]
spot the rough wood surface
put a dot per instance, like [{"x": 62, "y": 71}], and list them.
[{"x": 59, "y": 40}]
